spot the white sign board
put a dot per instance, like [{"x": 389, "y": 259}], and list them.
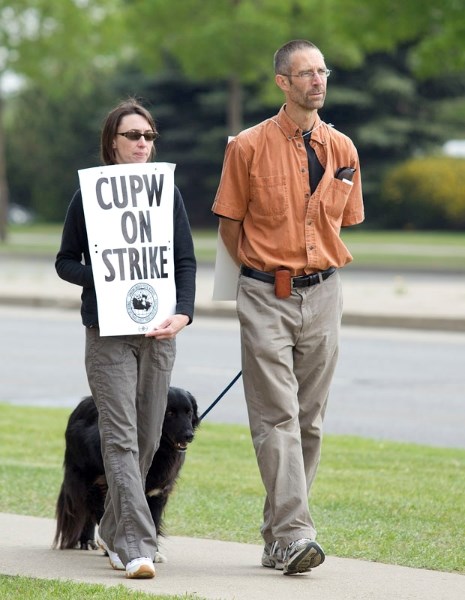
[
  {"x": 226, "y": 273},
  {"x": 226, "y": 270},
  {"x": 129, "y": 220}
]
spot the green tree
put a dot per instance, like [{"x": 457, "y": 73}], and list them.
[
  {"x": 390, "y": 114},
  {"x": 49, "y": 138},
  {"x": 225, "y": 48},
  {"x": 393, "y": 115},
  {"x": 52, "y": 44},
  {"x": 233, "y": 40}
]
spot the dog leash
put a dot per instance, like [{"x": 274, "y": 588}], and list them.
[{"x": 215, "y": 402}]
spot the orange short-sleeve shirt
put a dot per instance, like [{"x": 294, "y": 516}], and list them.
[{"x": 265, "y": 185}]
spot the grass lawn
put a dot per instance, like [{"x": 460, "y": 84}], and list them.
[
  {"x": 24, "y": 588},
  {"x": 389, "y": 502},
  {"x": 377, "y": 249}
]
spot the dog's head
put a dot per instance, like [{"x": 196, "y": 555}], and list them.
[{"x": 181, "y": 418}]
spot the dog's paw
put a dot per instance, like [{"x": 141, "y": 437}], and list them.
[
  {"x": 160, "y": 558},
  {"x": 88, "y": 545}
]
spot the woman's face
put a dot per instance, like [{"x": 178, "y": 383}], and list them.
[{"x": 130, "y": 151}]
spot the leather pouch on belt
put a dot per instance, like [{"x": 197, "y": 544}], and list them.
[{"x": 282, "y": 283}]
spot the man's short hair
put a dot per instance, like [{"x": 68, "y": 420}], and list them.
[{"x": 282, "y": 56}]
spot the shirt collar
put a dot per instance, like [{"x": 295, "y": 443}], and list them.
[{"x": 292, "y": 130}]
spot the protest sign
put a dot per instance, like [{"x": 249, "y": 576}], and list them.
[{"x": 129, "y": 220}]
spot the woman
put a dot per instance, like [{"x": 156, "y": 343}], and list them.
[{"x": 129, "y": 375}]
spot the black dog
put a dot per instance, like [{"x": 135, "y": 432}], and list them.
[{"x": 80, "y": 503}]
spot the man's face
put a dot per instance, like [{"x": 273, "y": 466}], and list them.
[{"x": 308, "y": 92}]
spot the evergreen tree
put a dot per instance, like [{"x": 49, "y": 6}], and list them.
[{"x": 392, "y": 116}]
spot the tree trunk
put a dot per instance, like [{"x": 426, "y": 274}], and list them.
[
  {"x": 3, "y": 181},
  {"x": 235, "y": 110}
]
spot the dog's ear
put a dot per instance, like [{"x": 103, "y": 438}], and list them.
[{"x": 195, "y": 414}]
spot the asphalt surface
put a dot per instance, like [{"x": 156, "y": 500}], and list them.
[{"x": 231, "y": 571}]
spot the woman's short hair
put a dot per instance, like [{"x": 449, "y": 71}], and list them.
[{"x": 110, "y": 127}]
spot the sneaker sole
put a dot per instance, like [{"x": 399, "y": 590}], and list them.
[
  {"x": 143, "y": 572},
  {"x": 309, "y": 558}
]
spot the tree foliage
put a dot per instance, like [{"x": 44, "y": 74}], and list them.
[
  {"x": 212, "y": 40},
  {"x": 52, "y": 45},
  {"x": 390, "y": 115},
  {"x": 219, "y": 54},
  {"x": 49, "y": 139}
]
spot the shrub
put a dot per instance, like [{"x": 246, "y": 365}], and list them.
[{"x": 426, "y": 193}]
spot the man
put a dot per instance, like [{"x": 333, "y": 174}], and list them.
[{"x": 287, "y": 186}]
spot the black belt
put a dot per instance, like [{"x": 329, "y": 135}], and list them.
[{"x": 300, "y": 281}]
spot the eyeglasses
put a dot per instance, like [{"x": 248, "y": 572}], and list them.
[
  {"x": 323, "y": 73},
  {"x": 134, "y": 135}
]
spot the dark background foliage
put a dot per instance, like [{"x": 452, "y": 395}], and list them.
[{"x": 390, "y": 115}]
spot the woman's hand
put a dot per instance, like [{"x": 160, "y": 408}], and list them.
[{"x": 169, "y": 328}]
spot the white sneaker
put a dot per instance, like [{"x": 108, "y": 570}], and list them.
[
  {"x": 273, "y": 556},
  {"x": 140, "y": 568},
  {"x": 115, "y": 560}
]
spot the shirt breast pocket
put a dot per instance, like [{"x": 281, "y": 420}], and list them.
[
  {"x": 270, "y": 195},
  {"x": 337, "y": 195}
]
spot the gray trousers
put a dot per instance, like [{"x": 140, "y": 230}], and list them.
[
  {"x": 129, "y": 377},
  {"x": 289, "y": 353}
]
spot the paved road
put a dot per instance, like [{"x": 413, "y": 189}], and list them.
[{"x": 389, "y": 384}]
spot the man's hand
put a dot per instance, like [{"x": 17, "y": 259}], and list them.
[{"x": 169, "y": 328}]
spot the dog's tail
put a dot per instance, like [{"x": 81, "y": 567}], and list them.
[{"x": 71, "y": 513}]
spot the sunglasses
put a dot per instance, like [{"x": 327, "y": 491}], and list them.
[{"x": 134, "y": 136}]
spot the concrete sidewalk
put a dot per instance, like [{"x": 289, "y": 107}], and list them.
[{"x": 218, "y": 570}]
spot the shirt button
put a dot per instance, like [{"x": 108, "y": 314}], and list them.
[
  {"x": 303, "y": 170},
  {"x": 310, "y": 247}
]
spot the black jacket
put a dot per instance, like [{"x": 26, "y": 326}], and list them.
[{"x": 75, "y": 246}]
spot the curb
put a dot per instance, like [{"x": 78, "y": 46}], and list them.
[{"x": 427, "y": 323}]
